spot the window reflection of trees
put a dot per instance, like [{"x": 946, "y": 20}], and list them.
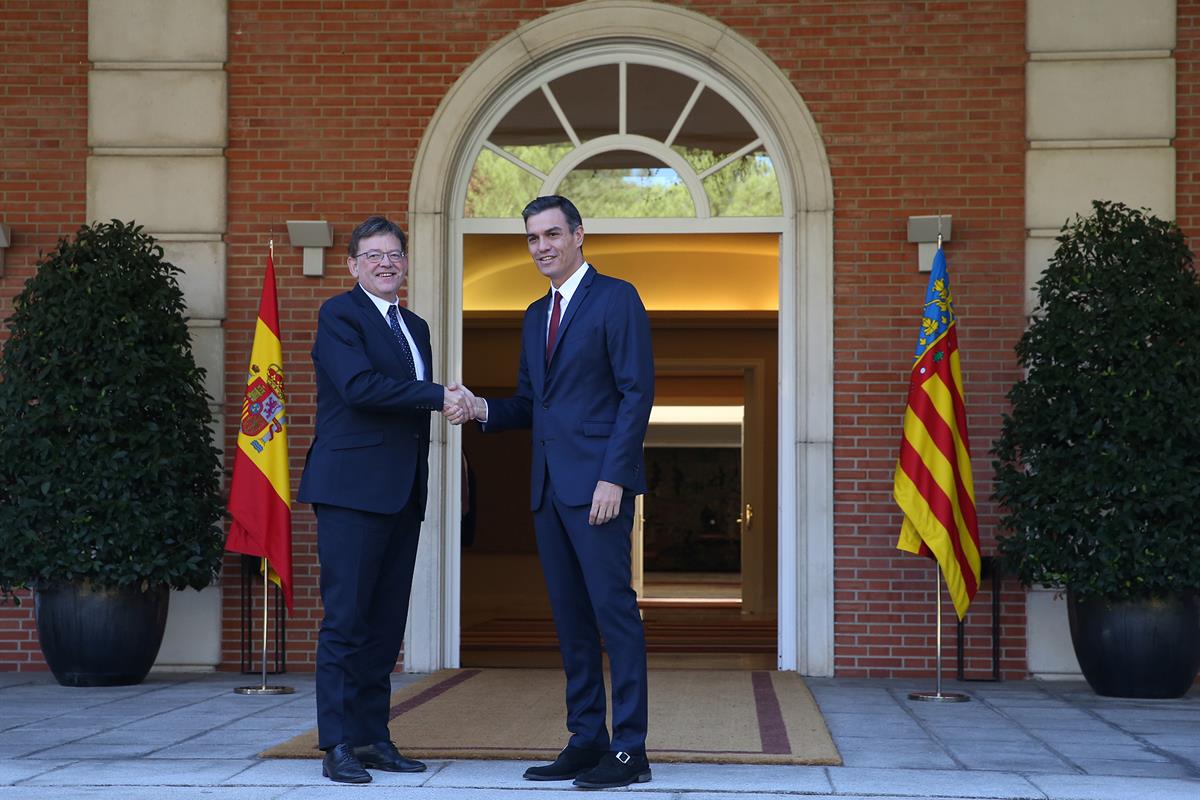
[{"x": 667, "y": 110}]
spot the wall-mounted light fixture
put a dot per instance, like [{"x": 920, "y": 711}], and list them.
[
  {"x": 924, "y": 232},
  {"x": 5, "y": 240},
  {"x": 314, "y": 236}
]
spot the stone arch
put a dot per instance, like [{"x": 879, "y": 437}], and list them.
[{"x": 805, "y": 315}]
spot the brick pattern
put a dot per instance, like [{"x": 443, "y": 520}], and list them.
[
  {"x": 1187, "y": 116},
  {"x": 921, "y": 109},
  {"x": 43, "y": 145}
]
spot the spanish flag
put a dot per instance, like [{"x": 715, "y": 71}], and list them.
[
  {"x": 260, "y": 495},
  {"x": 933, "y": 484}
]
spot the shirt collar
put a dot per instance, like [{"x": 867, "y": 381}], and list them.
[
  {"x": 570, "y": 284},
  {"x": 380, "y": 303}
]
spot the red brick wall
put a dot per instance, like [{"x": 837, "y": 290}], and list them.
[
  {"x": 1187, "y": 120},
  {"x": 328, "y": 103},
  {"x": 921, "y": 109},
  {"x": 43, "y": 144}
]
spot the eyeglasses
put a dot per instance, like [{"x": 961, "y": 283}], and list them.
[{"x": 375, "y": 257}]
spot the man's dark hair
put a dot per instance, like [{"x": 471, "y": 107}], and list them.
[
  {"x": 376, "y": 226},
  {"x": 547, "y": 202}
]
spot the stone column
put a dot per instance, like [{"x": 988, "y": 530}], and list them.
[
  {"x": 157, "y": 132},
  {"x": 1100, "y": 113},
  {"x": 1100, "y": 120}
]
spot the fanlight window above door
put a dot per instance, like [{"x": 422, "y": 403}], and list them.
[{"x": 625, "y": 140}]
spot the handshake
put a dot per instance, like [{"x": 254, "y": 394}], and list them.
[{"x": 461, "y": 405}]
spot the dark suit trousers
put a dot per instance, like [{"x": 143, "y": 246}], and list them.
[
  {"x": 366, "y": 576},
  {"x": 587, "y": 570}
]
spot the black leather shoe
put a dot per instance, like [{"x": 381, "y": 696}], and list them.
[
  {"x": 340, "y": 765},
  {"x": 570, "y": 762},
  {"x": 385, "y": 756},
  {"x": 614, "y": 770}
]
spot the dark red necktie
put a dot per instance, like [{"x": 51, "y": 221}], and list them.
[{"x": 552, "y": 336}]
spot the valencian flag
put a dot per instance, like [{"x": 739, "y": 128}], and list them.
[
  {"x": 933, "y": 483},
  {"x": 260, "y": 495}
]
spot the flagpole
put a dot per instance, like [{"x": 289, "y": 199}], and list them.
[
  {"x": 937, "y": 695},
  {"x": 263, "y": 688},
  {"x": 266, "y": 602}
]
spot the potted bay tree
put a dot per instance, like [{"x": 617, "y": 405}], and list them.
[
  {"x": 1098, "y": 460},
  {"x": 110, "y": 490}
]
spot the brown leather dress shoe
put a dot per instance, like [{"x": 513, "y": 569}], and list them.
[
  {"x": 340, "y": 765},
  {"x": 385, "y": 756}
]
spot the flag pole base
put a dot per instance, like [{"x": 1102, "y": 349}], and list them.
[
  {"x": 939, "y": 697},
  {"x": 264, "y": 690}
]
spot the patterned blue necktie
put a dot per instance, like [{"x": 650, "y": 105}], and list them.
[{"x": 393, "y": 316}]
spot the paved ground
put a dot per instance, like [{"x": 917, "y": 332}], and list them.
[{"x": 190, "y": 736}]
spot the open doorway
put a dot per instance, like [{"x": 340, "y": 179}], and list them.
[
  {"x": 688, "y": 546},
  {"x": 713, "y": 367},
  {"x": 493, "y": 112}
]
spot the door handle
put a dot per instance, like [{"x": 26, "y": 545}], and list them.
[{"x": 747, "y": 516}]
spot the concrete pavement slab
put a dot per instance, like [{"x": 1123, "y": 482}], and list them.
[
  {"x": 1013, "y": 761},
  {"x": 1064, "y": 719},
  {"x": 686, "y": 778},
  {"x": 1093, "y": 787},
  {"x": 1124, "y": 751},
  {"x": 668, "y": 776},
  {"x": 1100, "y": 734},
  {"x": 498, "y": 774},
  {"x": 71, "y": 752},
  {"x": 214, "y": 750},
  {"x": 306, "y": 772},
  {"x": 377, "y": 791},
  {"x": 1159, "y": 726},
  {"x": 17, "y": 750},
  {"x": 144, "y": 772},
  {"x": 930, "y": 783},
  {"x": 979, "y": 733},
  {"x": 204, "y": 741},
  {"x": 1148, "y": 769},
  {"x": 16, "y": 771},
  {"x": 229, "y": 735},
  {"x": 272, "y": 723},
  {"x": 885, "y": 753},
  {"x": 44, "y": 737},
  {"x": 1156, "y": 709},
  {"x": 144, "y": 793},
  {"x": 1176, "y": 738}
]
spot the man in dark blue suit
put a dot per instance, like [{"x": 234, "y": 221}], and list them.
[
  {"x": 366, "y": 475},
  {"x": 585, "y": 387}
]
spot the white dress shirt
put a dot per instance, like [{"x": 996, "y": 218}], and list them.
[{"x": 383, "y": 306}]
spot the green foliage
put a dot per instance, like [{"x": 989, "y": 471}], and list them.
[
  {"x": 500, "y": 189},
  {"x": 1099, "y": 459},
  {"x": 108, "y": 473}
]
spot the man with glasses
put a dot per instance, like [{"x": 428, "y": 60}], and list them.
[{"x": 366, "y": 475}]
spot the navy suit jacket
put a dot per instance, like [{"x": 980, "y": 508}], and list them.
[
  {"x": 371, "y": 447},
  {"x": 589, "y": 408}
]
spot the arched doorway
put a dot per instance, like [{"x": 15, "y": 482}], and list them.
[{"x": 646, "y": 36}]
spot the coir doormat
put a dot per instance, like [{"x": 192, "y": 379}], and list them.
[{"x": 723, "y": 716}]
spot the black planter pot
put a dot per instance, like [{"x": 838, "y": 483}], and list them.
[
  {"x": 1141, "y": 648},
  {"x": 100, "y": 637}
]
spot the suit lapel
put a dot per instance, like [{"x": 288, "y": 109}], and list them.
[
  {"x": 535, "y": 344},
  {"x": 577, "y": 301},
  {"x": 411, "y": 321},
  {"x": 377, "y": 324}
]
